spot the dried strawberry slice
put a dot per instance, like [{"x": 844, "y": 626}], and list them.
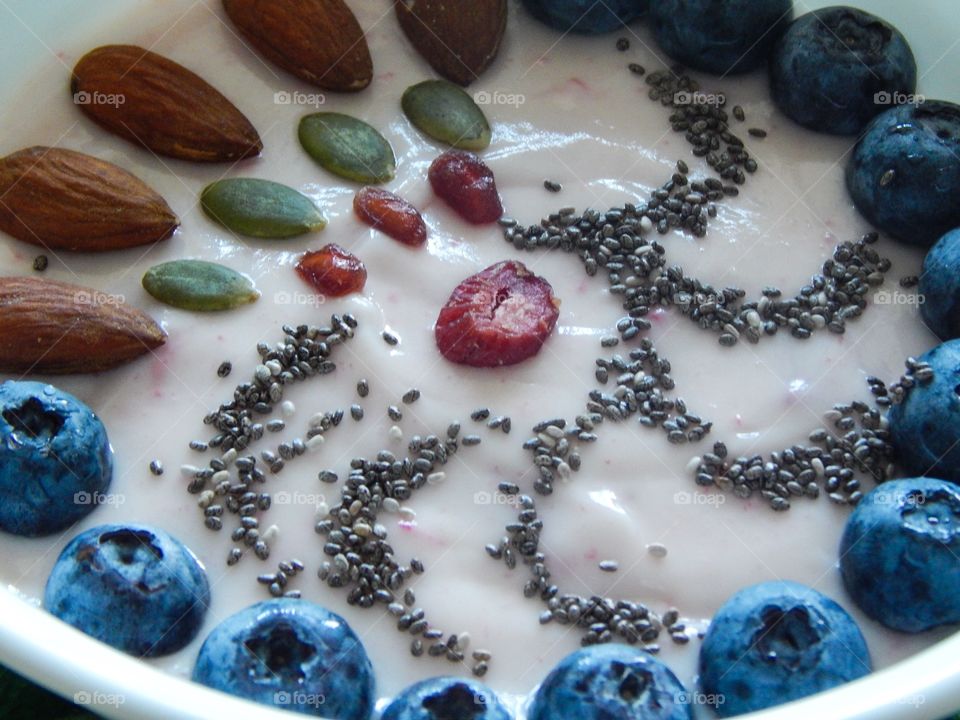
[
  {"x": 333, "y": 271},
  {"x": 391, "y": 214},
  {"x": 466, "y": 184},
  {"x": 500, "y": 316}
]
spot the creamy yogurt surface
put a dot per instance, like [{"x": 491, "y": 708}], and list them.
[{"x": 561, "y": 109}]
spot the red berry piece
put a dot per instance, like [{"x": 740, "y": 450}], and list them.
[
  {"x": 391, "y": 214},
  {"x": 333, "y": 271},
  {"x": 500, "y": 316},
  {"x": 466, "y": 184}
]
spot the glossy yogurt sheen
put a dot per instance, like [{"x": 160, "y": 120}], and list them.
[{"x": 564, "y": 110}]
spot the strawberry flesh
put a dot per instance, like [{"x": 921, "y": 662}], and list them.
[
  {"x": 465, "y": 183},
  {"x": 500, "y": 316},
  {"x": 390, "y": 214},
  {"x": 333, "y": 271}
]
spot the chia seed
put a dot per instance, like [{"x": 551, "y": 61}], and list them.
[
  {"x": 226, "y": 367},
  {"x": 552, "y": 186},
  {"x": 156, "y": 467},
  {"x": 496, "y": 422},
  {"x": 40, "y": 263}
]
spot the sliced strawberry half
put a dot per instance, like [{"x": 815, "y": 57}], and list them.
[
  {"x": 390, "y": 214},
  {"x": 333, "y": 271},
  {"x": 465, "y": 183},
  {"x": 500, "y": 316}
]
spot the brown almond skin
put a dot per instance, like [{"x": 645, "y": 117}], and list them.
[
  {"x": 319, "y": 41},
  {"x": 165, "y": 108},
  {"x": 54, "y": 328},
  {"x": 459, "y": 40},
  {"x": 66, "y": 200}
]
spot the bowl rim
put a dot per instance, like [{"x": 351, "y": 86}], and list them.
[{"x": 45, "y": 649}]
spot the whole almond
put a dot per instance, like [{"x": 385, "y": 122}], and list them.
[
  {"x": 459, "y": 40},
  {"x": 49, "y": 327},
  {"x": 152, "y": 101},
  {"x": 65, "y": 200},
  {"x": 319, "y": 41}
]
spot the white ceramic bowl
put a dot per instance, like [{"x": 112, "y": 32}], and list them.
[{"x": 34, "y": 643}]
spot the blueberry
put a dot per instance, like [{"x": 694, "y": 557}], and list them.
[
  {"x": 940, "y": 287},
  {"x": 446, "y": 698},
  {"x": 925, "y": 428},
  {"x": 776, "y": 642},
  {"x": 55, "y": 459},
  {"x": 734, "y": 36},
  {"x": 291, "y": 654},
  {"x": 898, "y": 554},
  {"x": 131, "y": 586},
  {"x": 904, "y": 173},
  {"x": 586, "y": 16},
  {"x": 610, "y": 682},
  {"x": 836, "y": 68}
]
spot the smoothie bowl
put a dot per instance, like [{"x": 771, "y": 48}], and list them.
[{"x": 588, "y": 388}]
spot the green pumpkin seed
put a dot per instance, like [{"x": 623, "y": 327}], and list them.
[
  {"x": 199, "y": 285},
  {"x": 445, "y": 112},
  {"x": 260, "y": 208},
  {"x": 348, "y": 147}
]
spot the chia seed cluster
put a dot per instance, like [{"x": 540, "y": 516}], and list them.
[
  {"x": 231, "y": 483},
  {"x": 360, "y": 558},
  {"x": 277, "y": 582},
  {"x": 602, "y": 619},
  {"x": 636, "y": 269},
  {"x": 856, "y": 444},
  {"x": 704, "y": 122}
]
